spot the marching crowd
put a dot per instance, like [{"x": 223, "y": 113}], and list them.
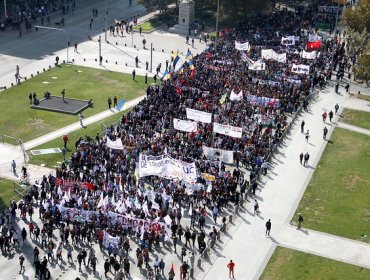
[{"x": 104, "y": 182}]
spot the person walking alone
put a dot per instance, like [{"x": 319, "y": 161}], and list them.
[
  {"x": 307, "y": 135},
  {"x": 302, "y": 126},
  {"x": 301, "y": 157},
  {"x": 268, "y": 227},
  {"x": 325, "y": 131},
  {"x": 300, "y": 220},
  {"x": 231, "y": 266}
]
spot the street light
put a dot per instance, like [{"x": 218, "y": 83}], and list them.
[
  {"x": 105, "y": 19},
  {"x": 57, "y": 29},
  {"x": 5, "y": 14},
  {"x": 218, "y": 9}
]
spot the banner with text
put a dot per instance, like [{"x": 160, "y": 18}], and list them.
[
  {"x": 301, "y": 69},
  {"x": 223, "y": 155},
  {"x": 166, "y": 167},
  {"x": 242, "y": 47},
  {"x": 116, "y": 145},
  {"x": 228, "y": 130},
  {"x": 308, "y": 55},
  {"x": 198, "y": 116},
  {"x": 271, "y": 54},
  {"x": 187, "y": 126}
]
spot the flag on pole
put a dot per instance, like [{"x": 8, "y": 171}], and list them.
[
  {"x": 101, "y": 201},
  {"x": 189, "y": 56},
  {"x": 178, "y": 90},
  {"x": 223, "y": 98},
  {"x": 79, "y": 201},
  {"x": 165, "y": 76},
  {"x": 122, "y": 105},
  {"x": 192, "y": 74},
  {"x": 176, "y": 59}
]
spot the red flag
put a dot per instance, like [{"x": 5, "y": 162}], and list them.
[
  {"x": 192, "y": 74},
  {"x": 87, "y": 186},
  {"x": 172, "y": 268},
  {"x": 183, "y": 81},
  {"x": 313, "y": 45},
  {"x": 178, "y": 90},
  {"x": 208, "y": 55}
]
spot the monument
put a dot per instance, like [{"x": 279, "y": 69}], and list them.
[{"x": 186, "y": 17}]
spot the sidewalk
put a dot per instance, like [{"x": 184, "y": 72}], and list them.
[
  {"x": 354, "y": 128},
  {"x": 279, "y": 196},
  {"x": 75, "y": 126}
]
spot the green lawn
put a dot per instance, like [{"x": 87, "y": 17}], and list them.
[
  {"x": 51, "y": 160},
  {"x": 19, "y": 120},
  {"x": 357, "y": 118},
  {"x": 149, "y": 26},
  {"x": 6, "y": 192},
  {"x": 337, "y": 199},
  {"x": 286, "y": 264}
]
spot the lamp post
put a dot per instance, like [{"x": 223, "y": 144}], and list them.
[
  {"x": 105, "y": 20},
  {"x": 5, "y": 13},
  {"x": 218, "y": 10},
  {"x": 336, "y": 18},
  {"x": 57, "y": 29}
]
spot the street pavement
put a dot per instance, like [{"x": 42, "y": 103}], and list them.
[{"x": 280, "y": 191}]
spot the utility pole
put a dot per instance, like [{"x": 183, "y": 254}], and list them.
[
  {"x": 105, "y": 20},
  {"x": 151, "y": 57},
  {"x": 218, "y": 10},
  {"x": 56, "y": 29},
  {"x": 336, "y": 19},
  {"x": 99, "y": 50},
  {"x": 5, "y": 13}
]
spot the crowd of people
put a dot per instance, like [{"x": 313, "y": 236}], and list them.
[{"x": 98, "y": 184}]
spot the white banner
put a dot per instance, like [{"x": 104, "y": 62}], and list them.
[
  {"x": 288, "y": 41},
  {"x": 308, "y": 55},
  {"x": 187, "y": 126},
  {"x": 117, "y": 145},
  {"x": 198, "y": 116},
  {"x": 223, "y": 155},
  {"x": 301, "y": 69},
  {"x": 111, "y": 240},
  {"x": 228, "y": 130},
  {"x": 257, "y": 66},
  {"x": 271, "y": 54},
  {"x": 242, "y": 47},
  {"x": 313, "y": 38},
  {"x": 237, "y": 97},
  {"x": 166, "y": 167}
]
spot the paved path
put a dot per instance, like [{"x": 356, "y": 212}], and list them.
[
  {"x": 279, "y": 193},
  {"x": 354, "y": 128},
  {"x": 279, "y": 196},
  {"x": 75, "y": 126}
]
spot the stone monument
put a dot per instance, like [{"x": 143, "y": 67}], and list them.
[{"x": 186, "y": 17}]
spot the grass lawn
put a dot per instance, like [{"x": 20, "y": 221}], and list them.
[
  {"x": 19, "y": 120},
  {"x": 357, "y": 118},
  {"x": 51, "y": 160},
  {"x": 286, "y": 264},
  {"x": 6, "y": 192},
  {"x": 149, "y": 26},
  {"x": 364, "y": 97},
  {"x": 337, "y": 199}
]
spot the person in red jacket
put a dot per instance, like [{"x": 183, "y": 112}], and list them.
[{"x": 231, "y": 266}]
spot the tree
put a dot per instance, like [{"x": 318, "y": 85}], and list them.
[
  {"x": 358, "y": 16},
  {"x": 362, "y": 66},
  {"x": 356, "y": 41}
]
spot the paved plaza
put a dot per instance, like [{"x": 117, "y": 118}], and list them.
[{"x": 279, "y": 193}]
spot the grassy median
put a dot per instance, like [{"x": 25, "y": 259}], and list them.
[
  {"x": 19, "y": 120},
  {"x": 286, "y": 264},
  {"x": 337, "y": 199}
]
